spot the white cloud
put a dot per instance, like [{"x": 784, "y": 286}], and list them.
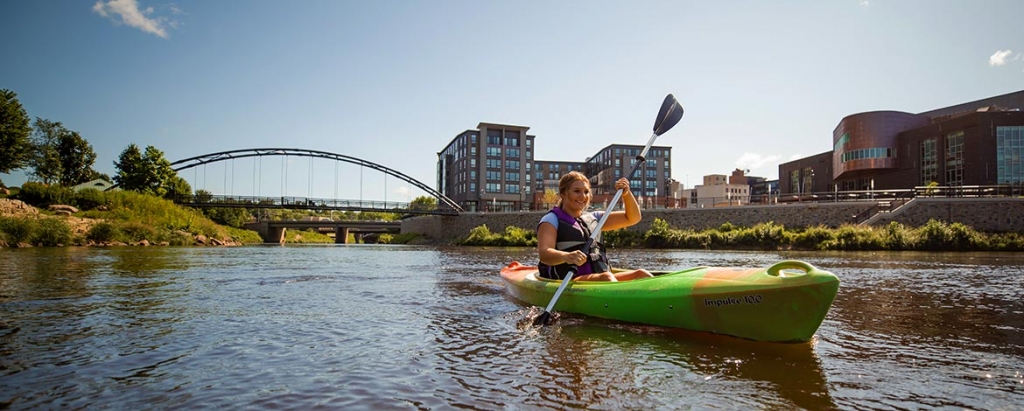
[
  {"x": 403, "y": 191},
  {"x": 865, "y": 3},
  {"x": 128, "y": 11},
  {"x": 755, "y": 160},
  {"x": 999, "y": 58}
]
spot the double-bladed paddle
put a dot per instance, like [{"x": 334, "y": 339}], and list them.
[{"x": 668, "y": 116}]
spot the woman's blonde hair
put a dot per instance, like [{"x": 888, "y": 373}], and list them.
[{"x": 566, "y": 181}]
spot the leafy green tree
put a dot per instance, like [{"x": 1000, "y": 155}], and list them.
[
  {"x": 96, "y": 175},
  {"x": 179, "y": 188},
  {"x": 61, "y": 156},
  {"x": 15, "y": 145},
  {"x": 130, "y": 169},
  {"x": 45, "y": 162},
  {"x": 423, "y": 203},
  {"x": 76, "y": 157},
  {"x": 147, "y": 172},
  {"x": 234, "y": 217}
]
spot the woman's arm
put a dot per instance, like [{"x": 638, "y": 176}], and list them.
[
  {"x": 547, "y": 236},
  {"x": 622, "y": 219}
]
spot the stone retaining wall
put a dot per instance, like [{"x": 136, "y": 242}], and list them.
[{"x": 984, "y": 214}]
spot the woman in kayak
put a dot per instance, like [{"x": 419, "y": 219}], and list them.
[{"x": 563, "y": 231}]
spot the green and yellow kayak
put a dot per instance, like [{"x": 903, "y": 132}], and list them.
[{"x": 785, "y": 302}]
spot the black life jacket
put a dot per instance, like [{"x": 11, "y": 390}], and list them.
[{"x": 572, "y": 236}]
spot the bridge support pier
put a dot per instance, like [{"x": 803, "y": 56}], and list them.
[
  {"x": 341, "y": 235},
  {"x": 267, "y": 233}
]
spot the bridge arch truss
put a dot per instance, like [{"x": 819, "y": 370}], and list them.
[{"x": 443, "y": 201}]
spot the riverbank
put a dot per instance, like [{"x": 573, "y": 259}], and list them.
[
  {"x": 123, "y": 219},
  {"x": 933, "y": 236}
]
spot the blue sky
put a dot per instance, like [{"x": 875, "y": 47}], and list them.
[{"x": 392, "y": 82}]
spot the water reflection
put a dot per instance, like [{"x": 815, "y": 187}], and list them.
[
  {"x": 785, "y": 375},
  {"x": 383, "y": 327}
]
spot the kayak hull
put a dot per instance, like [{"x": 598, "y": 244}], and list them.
[{"x": 785, "y": 302}]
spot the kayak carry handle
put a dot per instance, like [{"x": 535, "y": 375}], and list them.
[{"x": 790, "y": 268}]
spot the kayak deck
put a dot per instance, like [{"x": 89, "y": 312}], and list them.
[{"x": 785, "y": 302}]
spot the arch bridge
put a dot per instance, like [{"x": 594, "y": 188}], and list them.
[{"x": 445, "y": 206}]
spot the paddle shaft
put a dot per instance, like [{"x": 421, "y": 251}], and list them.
[{"x": 640, "y": 159}]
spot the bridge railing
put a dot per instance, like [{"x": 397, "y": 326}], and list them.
[{"x": 303, "y": 203}]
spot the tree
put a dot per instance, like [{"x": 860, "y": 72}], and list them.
[
  {"x": 550, "y": 197},
  {"x": 147, "y": 172},
  {"x": 76, "y": 157},
  {"x": 130, "y": 174},
  {"x": 61, "y": 156},
  {"x": 423, "y": 203},
  {"x": 15, "y": 146},
  {"x": 45, "y": 162},
  {"x": 179, "y": 188}
]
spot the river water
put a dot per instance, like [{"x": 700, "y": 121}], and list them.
[{"x": 408, "y": 327}]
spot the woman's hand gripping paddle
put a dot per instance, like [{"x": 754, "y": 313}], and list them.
[{"x": 668, "y": 116}]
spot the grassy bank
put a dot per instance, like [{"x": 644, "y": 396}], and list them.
[
  {"x": 933, "y": 236},
  {"x": 115, "y": 217}
]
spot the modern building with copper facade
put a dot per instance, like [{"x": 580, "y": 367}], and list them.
[
  {"x": 978, "y": 143},
  {"x": 492, "y": 168}
]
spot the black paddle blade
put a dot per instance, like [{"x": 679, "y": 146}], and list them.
[
  {"x": 543, "y": 319},
  {"x": 668, "y": 116}
]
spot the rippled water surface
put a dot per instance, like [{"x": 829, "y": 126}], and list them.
[{"x": 400, "y": 327}]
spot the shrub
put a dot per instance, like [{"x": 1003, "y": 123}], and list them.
[
  {"x": 516, "y": 236},
  {"x": 103, "y": 232},
  {"x": 622, "y": 238},
  {"x": 52, "y": 232},
  {"x": 17, "y": 230},
  {"x": 88, "y": 199},
  {"x": 897, "y": 237},
  {"x": 134, "y": 231},
  {"x": 763, "y": 234},
  {"x": 479, "y": 235},
  {"x": 404, "y": 238},
  {"x": 384, "y": 238},
  {"x": 231, "y": 217},
  {"x": 963, "y": 237},
  {"x": 935, "y": 235},
  {"x": 660, "y": 235},
  {"x": 813, "y": 238},
  {"x": 42, "y": 195}
]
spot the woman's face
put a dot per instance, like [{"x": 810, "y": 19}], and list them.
[{"x": 576, "y": 199}]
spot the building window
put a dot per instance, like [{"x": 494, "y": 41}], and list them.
[
  {"x": 842, "y": 142},
  {"x": 955, "y": 159},
  {"x": 472, "y": 150},
  {"x": 929, "y": 162},
  {"x": 493, "y": 137},
  {"x": 472, "y": 138},
  {"x": 494, "y": 151},
  {"x": 1009, "y": 148},
  {"x": 511, "y": 152},
  {"x": 808, "y": 177},
  {"x": 512, "y": 164},
  {"x": 493, "y": 163},
  {"x": 512, "y": 188},
  {"x": 494, "y": 176},
  {"x": 511, "y": 176},
  {"x": 512, "y": 138},
  {"x": 794, "y": 181},
  {"x": 493, "y": 188}
]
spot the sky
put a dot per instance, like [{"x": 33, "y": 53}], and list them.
[{"x": 393, "y": 82}]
